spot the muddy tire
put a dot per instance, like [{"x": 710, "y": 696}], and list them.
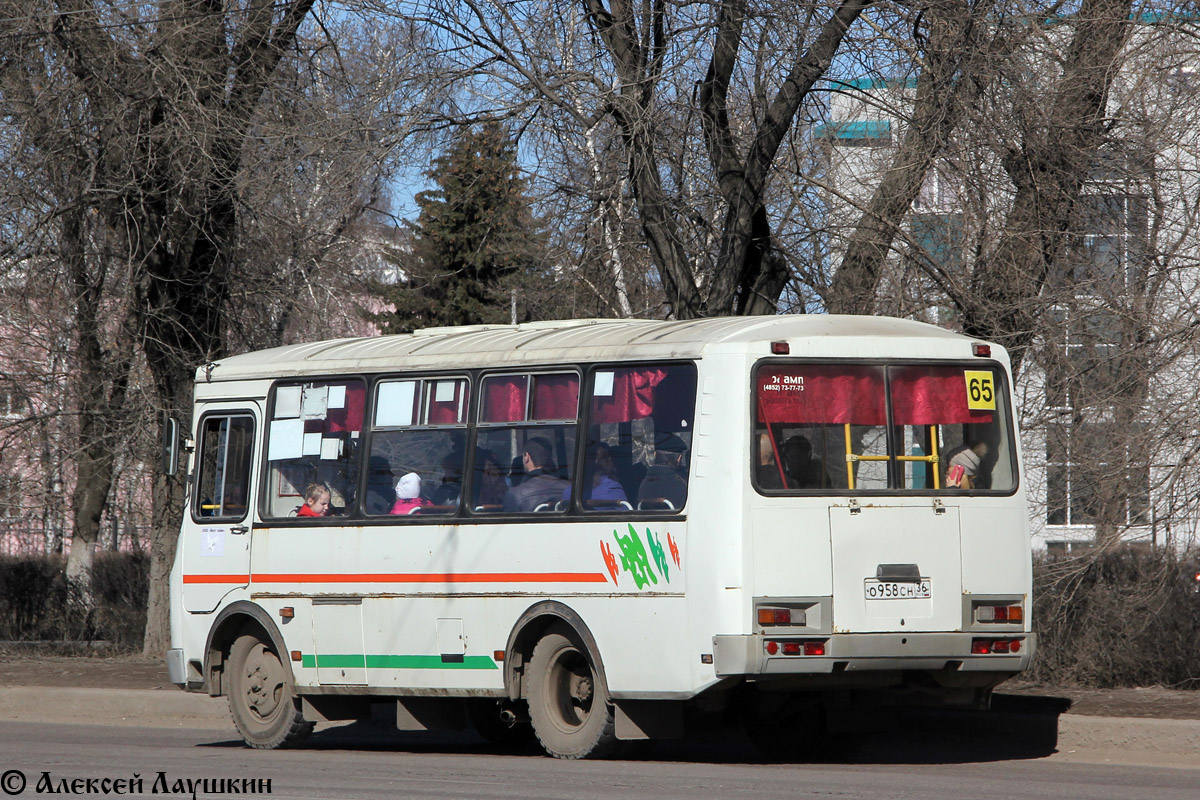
[
  {"x": 262, "y": 702},
  {"x": 568, "y": 699}
]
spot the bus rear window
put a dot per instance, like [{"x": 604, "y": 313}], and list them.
[{"x": 859, "y": 427}]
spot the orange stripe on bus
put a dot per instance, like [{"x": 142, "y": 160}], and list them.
[
  {"x": 448, "y": 577},
  {"x": 216, "y": 578}
]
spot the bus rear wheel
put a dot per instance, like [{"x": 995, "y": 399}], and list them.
[
  {"x": 568, "y": 701},
  {"x": 263, "y": 704}
]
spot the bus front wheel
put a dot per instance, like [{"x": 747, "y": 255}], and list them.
[
  {"x": 568, "y": 701},
  {"x": 263, "y": 704}
]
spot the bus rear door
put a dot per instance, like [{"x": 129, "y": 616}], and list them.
[{"x": 896, "y": 568}]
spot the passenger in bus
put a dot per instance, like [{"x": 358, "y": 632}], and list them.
[
  {"x": 601, "y": 487},
  {"x": 767, "y": 468},
  {"x": 408, "y": 494},
  {"x": 490, "y": 486},
  {"x": 452, "y": 475},
  {"x": 316, "y": 501},
  {"x": 604, "y": 483},
  {"x": 379, "y": 496},
  {"x": 801, "y": 469},
  {"x": 540, "y": 486},
  {"x": 666, "y": 479},
  {"x": 964, "y": 467}
]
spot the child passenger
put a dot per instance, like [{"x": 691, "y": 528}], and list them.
[
  {"x": 316, "y": 501},
  {"x": 408, "y": 494}
]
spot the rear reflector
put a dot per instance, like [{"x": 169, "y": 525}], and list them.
[
  {"x": 769, "y": 615},
  {"x": 774, "y": 616},
  {"x": 1002, "y": 614}
]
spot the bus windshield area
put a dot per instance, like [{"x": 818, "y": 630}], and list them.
[{"x": 864, "y": 427}]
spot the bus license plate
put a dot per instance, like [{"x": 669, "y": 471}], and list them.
[{"x": 896, "y": 590}]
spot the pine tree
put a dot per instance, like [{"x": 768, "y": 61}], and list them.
[{"x": 475, "y": 234}]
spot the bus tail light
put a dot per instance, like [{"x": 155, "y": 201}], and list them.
[
  {"x": 1001, "y": 614},
  {"x": 981, "y": 350},
  {"x": 804, "y": 647},
  {"x": 773, "y": 615},
  {"x": 780, "y": 348},
  {"x": 983, "y": 647}
]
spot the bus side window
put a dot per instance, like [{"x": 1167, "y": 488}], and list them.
[
  {"x": 639, "y": 444},
  {"x": 418, "y": 447},
  {"x": 313, "y": 438},
  {"x": 525, "y": 455}
]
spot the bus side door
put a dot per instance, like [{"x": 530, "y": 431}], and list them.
[{"x": 216, "y": 527}]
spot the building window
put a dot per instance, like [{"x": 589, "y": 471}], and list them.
[
  {"x": 1095, "y": 474},
  {"x": 856, "y": 133},
  {"x": 1097, "y": 469},
  {"x": 1106, "y": 254},
  {"x": 12, "y": 405},
  {"x": 10, "y": 496}
]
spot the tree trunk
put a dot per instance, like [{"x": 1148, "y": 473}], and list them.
[
  {"x": 101, "y": 377},
  {"x": 637, "y": 58},
  {"x": 946, "y": 85},
  {"x": 747, "y": 279},
  {"x": 1048, "y": 168}
]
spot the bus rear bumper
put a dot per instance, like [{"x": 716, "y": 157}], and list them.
[{"x": 747, "y": 654}]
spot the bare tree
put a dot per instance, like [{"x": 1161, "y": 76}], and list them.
[
  {"x": 192, "y": 113},
  {"x": 954, "y": 56},
  {"x": 65, "y": 241},
  {"x": 1058, "y": 142}
]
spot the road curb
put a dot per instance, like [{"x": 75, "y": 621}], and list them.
[
  {"x": 1129, "y": 739},
  {"x": 158, "y": 708}
]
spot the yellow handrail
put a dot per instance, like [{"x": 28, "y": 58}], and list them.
[
  {"x": 932, "y": 458},
  {"x": 850, "y": 459}
]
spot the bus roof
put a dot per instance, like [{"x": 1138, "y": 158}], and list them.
[{"x": 566, "y": 341}]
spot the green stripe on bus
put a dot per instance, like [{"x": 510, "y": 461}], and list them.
[{"x": 352, "y": 661}]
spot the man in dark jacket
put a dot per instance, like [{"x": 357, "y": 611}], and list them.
[{"x": 538, "y": 486}]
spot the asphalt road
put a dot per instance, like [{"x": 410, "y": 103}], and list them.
[{"x": 372, "y": 762}]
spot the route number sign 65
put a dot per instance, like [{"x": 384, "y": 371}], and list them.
[{"x": 981, "y": 390}]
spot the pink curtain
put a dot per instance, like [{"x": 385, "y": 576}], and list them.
[
  {"x": 447, "y": 412},
  {"x": 504, "y": 399},
  {"x": 555, "y": 396},
  {"x": 350, "y": 417},
  {"x": 932, "y": 396},
  {"x": 632, "y": 396},
  {"x": 818, "y": 394}
]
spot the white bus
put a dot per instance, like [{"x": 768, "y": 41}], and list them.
[{"x": 597, "y": 529}]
